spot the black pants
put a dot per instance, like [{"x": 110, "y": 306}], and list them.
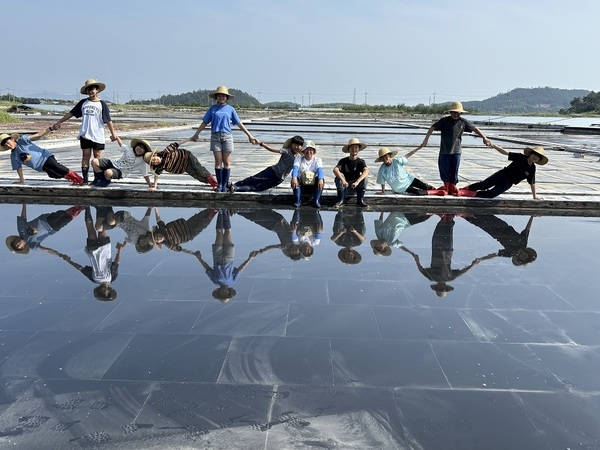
[{"x": 54, "y": 169}]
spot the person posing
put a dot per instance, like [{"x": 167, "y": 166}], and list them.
[
  {"x": 521, "y": 168},
  {"x": 351, "y": 174},
  {"x": 24, "y": 151},
  {"x": 272, "y": 176},
  {"x": 95, "y": 114},
  {"x": 307, "y": 175},
  {"x": 393, "y": 173},
  {"x": 176, "y": 160},
  {"x": 105, "y": 170},
  {"x": 220, "y": 117},
  {"x": 452, "y": 128}
]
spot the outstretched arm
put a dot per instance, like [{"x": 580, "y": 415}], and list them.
[
  {"x": 64, "y": 118},
  {"x": 479, "y": 133},
  {"x": 268, "y": 147},
  {"x": 499, "y": 149},
  {"x": 412, "y": 152},
  {"x": 40, "y": 134},
  {"x": 198, "y": 131},
  {"x": 251, "y": 138},
  {"x": 427, "y": 135}
]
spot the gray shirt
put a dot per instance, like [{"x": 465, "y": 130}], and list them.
[{"x": 285, "y": 163}]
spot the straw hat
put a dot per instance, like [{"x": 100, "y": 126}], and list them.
[
  {"x": 92, "y": 82},
  {"x": 456, "y": 107},
  {"x": 538, "y": 151},
  {"x": 135, "y": 142},
  {"x": 6, "y": 136},
  {"x": 354, "y": 141},
  {"x": 524, "y": 257},
  {"x": 148, "y": 157},
  {"x": 309, "y": 144},
  {"x": 377, "y": 250},
  {"x": 288, "y": 143},
  {"x": 220, "y": 90},
  {"x": 384, "y": 151},
  {"x": 10, "y": 241}
]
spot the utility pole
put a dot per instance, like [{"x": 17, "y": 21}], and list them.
[
  {"x": 366, "y": 93},
  {"x": 354, "y": 97}
]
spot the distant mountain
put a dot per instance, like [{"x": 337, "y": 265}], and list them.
[
  {"x": 527, "y": 101},
  {"x": 201, "y": 98}
]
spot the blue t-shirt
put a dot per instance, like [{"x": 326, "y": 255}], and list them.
[
  {"x": 395, "y": 175},
  {"x": 221, "y": 118},
  {"x": 24, "y": 149}
]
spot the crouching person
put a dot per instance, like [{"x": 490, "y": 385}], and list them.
[
  {"x": 351, "y": 174},
  {"x": 132, "y": 159},
  {"x": 307, "y": 175},
  {"x": 24, "y": 152}
]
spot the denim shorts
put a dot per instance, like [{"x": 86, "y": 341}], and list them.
[{"x": 221, "y": 142}]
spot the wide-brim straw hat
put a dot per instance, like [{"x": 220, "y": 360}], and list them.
[
  {"x": 349, "y": 256},
  {"x": 10, "y": 240},
  {"x": 538, "y": 151},
  {"x": 309, "y": 144},
  {"x": 92, "y": 82},
  {"x": 220, "y": 90},
  {"x": 524, "y": 257},
  {"x": 354, "y": 141},
  {"x": 148, "y": 156},
  {"x": 456, "y": 107},
  {"x": 387, "y": 251},
  {"x": 135, "y": 142},
  {"x": 385, "y": 151},
  {"x": 5, "y": 136}
]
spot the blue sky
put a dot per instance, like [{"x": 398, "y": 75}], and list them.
[{"x": 378, "y": 51}]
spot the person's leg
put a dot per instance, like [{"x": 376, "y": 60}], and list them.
[
  {"x": 226, "y": 170},
  {"x": 86, "y": 154},
  {"x": 341, "y": 193},
  {"x": 197, "y": 170},
  {"x": 219, "y": 169},
  {"x": 263, "y": 180}
]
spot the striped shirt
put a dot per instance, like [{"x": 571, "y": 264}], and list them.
[{"x": 173, "y": 159}]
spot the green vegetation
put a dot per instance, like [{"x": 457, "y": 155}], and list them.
[
  {"x": 199, "y": 98},
  {"x": 7, "y": 118},
  {"x": 590, "y": 104},
  {"x": 540, "y": 100}
]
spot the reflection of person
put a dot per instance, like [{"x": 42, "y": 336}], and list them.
[
  {"x": 223, "y": 272},
  {"x": 388, "y": 231},
  {"x": 514, "y": 243},
  {"x": 307, "y": 175},
  {"x": 307, "y": 230},
  {"x": 221, "y": 117},
  {"x": 351, "y": 174},
  {"x": 349, "y": 232},
  {"x": 103, "y": 269},
  {"x": 24, "y": 152},
  {"x": 94, "y": 115},
  {"x": 393, "y": 173},
  {"x": 136, "y": 231},
  {"x": 275, "y": 222},
  {"x": 521, "y": 168},
  {"x": 180, "y": 231},
  {"x": 174, "y": 159},
  {"x": 105, "y": 170},
  {"x": 442, "y": 249},
  {"x": 452, "y": 128},
  {"x": 273, "y": 175},
  {"x": 32, "y": 233}
]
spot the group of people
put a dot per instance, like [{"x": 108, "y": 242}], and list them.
[{"x": 297, "y": 156}]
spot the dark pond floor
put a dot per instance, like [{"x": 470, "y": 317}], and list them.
[{"x": 280, "y": 329}]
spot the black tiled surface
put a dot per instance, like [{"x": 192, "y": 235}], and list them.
[{"x": 311, "y": 353}]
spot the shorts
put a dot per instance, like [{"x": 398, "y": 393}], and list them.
[
  {"x": 105, "y": 163},
  {"x": 84, "y": 144},
  {"x": 221, "y": 142}
]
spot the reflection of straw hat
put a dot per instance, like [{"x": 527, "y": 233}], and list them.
[
  {"x": 354, "y": 141},
  {"x": 456, "y": 107},
  {"x": 384, "y": 151},
  {"x": 349, "y": 256},
  {"x": 376, "y": 246},
  {"x": 538, "y": 151},
  {"x": 441, "y": 289},
  {"x": 224, "y": 293},
  {"x": 135, "y": 142},
  {"x": 107, "y": 296},
  {"x": 524, "y": 256},
  {"x": 220, "y": 90},
  {"x": 10, "y": 242},
  {"x": 92, "y": 82},
  {"x": 152, "y": 233}
]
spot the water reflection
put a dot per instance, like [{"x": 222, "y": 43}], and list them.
[{"x": 349, "y": 231}]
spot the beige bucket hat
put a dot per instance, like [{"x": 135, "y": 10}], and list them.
[
  {"x": 384, "y": 151},
  {"x": 92, "y": 82},
  {"x": 456, "y": 107},
  {"x": 354, "y": 141},
  {"x": 220, "y": 90},
  {"x": 538, "y": 151},
  {"x": 309, "y": 144}
]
